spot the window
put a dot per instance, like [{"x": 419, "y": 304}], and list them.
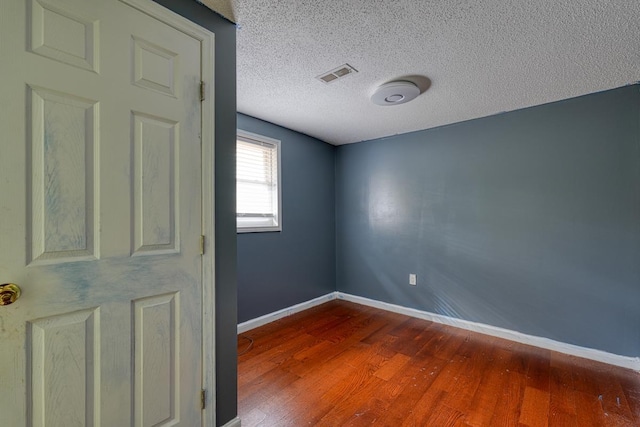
[{"x": 258, "y": 183}]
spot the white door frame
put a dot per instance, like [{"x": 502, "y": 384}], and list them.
[{"x": 207, "y": 43}]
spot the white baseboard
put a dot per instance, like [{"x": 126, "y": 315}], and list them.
[
  {"x": 271, "y": 317},
  {"x": 546, "y": 343},
  {"x": 233, "y": 423}
]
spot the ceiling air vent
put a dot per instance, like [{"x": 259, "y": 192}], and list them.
[{"x": 336, "y": 73}]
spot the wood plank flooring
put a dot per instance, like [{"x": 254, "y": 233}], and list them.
[{"x": 344, "y": 364}]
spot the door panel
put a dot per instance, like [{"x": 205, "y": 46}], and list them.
[
  {"x": 156, "y": 185},
  {"x": 157, "y": 360},
  {"x": 63, "y": 204},
  {"x": 59, "y": 33},
  {"x": 100, "y": 208},
  {"x": 64, "y": 356}
]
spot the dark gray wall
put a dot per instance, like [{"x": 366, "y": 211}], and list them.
[
  {"x": 528, "y": 220},
  {"x": 225, "y": 201},
  {"x": 280, "y": 269}
]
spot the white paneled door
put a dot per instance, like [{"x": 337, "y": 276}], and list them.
[{"x": 100, "y": 217}]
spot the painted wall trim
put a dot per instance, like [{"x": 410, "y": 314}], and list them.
[
  {"x": 546, "y": 343},
  {"x": 272, "y": 317},
  {"x": 233, "y": 423}
]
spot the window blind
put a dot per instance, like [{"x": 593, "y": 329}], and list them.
[{"x": 257, "y": 183}]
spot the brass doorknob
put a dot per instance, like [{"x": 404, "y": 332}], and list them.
[{"x": 9, "y": 293}]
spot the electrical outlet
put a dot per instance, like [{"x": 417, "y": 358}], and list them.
[{"x": 413, "y": 281}]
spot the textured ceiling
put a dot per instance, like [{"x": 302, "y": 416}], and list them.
[{"x": 483, "y": 57}]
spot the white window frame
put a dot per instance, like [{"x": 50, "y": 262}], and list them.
[{"x": 277, "y": 218}]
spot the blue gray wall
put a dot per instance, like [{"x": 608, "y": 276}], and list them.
[
  {"x": 280, "y": 269},
  {"x": 528, "y": 220},
  {"x": 225, "y": 201}
]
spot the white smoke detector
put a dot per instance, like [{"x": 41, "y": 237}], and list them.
[{"x": 395, "y": 93}]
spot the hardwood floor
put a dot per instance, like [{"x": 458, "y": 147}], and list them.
[{"x": 343, "y": 364}]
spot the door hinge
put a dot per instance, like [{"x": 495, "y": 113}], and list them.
[
  {"x": 202, "y": 243},
  {"x": 203, "y": 399},
  {"x": 203, "y": 86}
]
